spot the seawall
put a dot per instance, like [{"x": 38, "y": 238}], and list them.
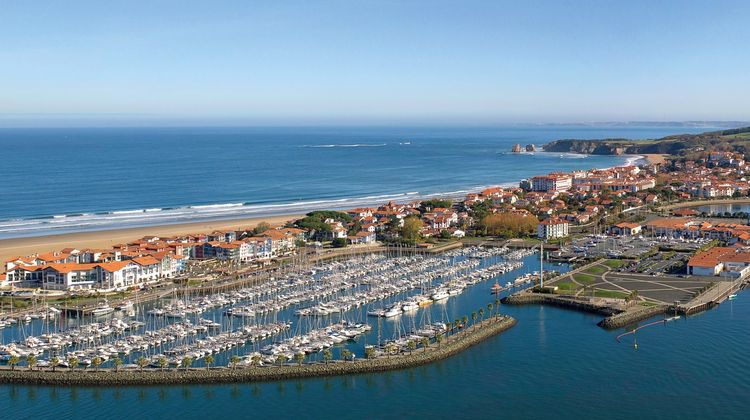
[{"x": 452, "y": 345}]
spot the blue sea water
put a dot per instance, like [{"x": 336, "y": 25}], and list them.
[{"x": 78, "y": 179}]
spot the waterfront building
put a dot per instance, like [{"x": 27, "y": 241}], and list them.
[{"x": 552, "y": 228}]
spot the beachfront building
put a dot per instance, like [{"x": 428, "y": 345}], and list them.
[
  {"x": 552, "y": 228},
  {"x": 552, "y": 182}
]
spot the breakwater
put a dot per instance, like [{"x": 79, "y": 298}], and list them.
[
  {"x": 614, "y": 318},
  {"x": 452, "y": 345}
]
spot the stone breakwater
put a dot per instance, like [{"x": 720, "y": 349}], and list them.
[
  {"x": 452, "y": 345},
  {"x": 614, "y": 318},
  {"x": 632, "y": 316}
]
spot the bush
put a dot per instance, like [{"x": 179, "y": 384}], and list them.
[{"x": 339, "y": 243}]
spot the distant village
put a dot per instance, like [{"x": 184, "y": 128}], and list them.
[{"x": 549, "y": 207}]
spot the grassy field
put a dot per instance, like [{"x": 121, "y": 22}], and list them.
[
  {"x": 567, "y": 286},
  {"x": 584, "y": 278},
  {"x": 596, "y": 270},
  {"x": 610, "y": 294},
  {"x": 614, "y": 264}
]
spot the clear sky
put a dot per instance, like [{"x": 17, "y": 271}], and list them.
[{"x": 288, "y": 62}]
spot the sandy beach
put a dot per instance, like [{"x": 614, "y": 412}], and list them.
[{"x": 104, "y": 239}]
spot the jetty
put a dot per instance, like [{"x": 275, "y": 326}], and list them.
[{"x": 452, "y": 345}]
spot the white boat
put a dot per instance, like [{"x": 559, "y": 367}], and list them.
[
  {"x": 410, "y": 306},
  {"x": 102, "y": 308},
  {"x": 440, "y": 295},
  {"x": 394, "y": 311},
  {"x": 125, "y": 306}
]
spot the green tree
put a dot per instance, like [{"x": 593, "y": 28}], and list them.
[
  {"x": 261, "y": 227},
  {"x": 425, "y": 343},
  {"x": 31, "y": 361},
  {"x": 142, "y": 362},
  {"x": 327, "y": 355},
  {"x": 96, "y": 362},
  {"x": 209, "y": 361},
  {"x": 54, "y": 361},
  {"x": 489, "y": 310},
  {"x": 481, "y": 316},
  {"x": 117, "y": 362},
  {"x": 72, "y": 362},
  {"x": 411, "y": 345},
  {"x": 466, "y": 320},
  {"x": 299, "y": 357},
  {"x": 410, "y": 231},
  {"x": 163, "y": 363},
  {"x": 346, "y": 354},
  {"x": 370, "y": 352},
  {"x": 339, "y": 243},
  {"x": 187, "y": 361},
  {"x": 255, "y": 360},
  {"x": 473, "y": 318},
  {"x": 234, "y": 361},
  {"x": 281, "y": 359},
  {"x": 13, "y": 361},
  {"x": 439, "y": 338}
]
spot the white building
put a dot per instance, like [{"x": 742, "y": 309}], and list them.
[{"x": 552, "y": 228}]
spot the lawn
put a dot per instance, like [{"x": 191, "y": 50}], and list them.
[
  {"x": 596, "y": 270},
  {"x": 610, "y": 294},
  {"x": 614, "y": 264},
  {"x": 567, "y": 286},
  {"x": 584, "y": 278}
]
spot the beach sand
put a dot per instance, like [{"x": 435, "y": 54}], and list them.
[
  {"x": 655, "y": 159},
  {"x": 105, "y": 239}
]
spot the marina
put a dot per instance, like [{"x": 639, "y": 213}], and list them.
[{"x": 370, "y": 305}]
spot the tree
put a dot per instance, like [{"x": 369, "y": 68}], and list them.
[
  {"x": 261, "y": 227},
  {"x": 209, "y": 361},
  {"x": 234, "y": 361},
  {"x": 444, "y": 234},
  {"x": 481, "y": 316},
  {"x": 96, "y": 362},
  {"x": 473, "y": 318},
  {"x": 117, "y": 362},
  {"x": 489, "y": 310},
  {"x": 411, "y": 228},
  {"x": 327, "y": 355},
  {"x": 186, "y": 362},
  {"x": 54, "y": 361},
  {"x": 466, "y": 321},
  {"x": 142, "y": 362},
  {"x": 411, "y": 345},
  {"x": 255, "y": 360},
  {"x": 391, "y": 348},
  {"x": 425, "y": 343},
  {"x": 72, "y": 362},
  {"x": 281, "y": 359},
  {"x": 429, "y": 205},
  {"x": 31, "y": 361},
  {"x": 370, "y": 352},
  {"x": 346, "y": 354},
  {"x": 439, "y": 338},
  {"x": 163, "y": 363},
  {"x": 339, "y": 243},
  {"x": 13, "y": 361},
  {"x": 299, "y": 357},
  {"x": 509, "y": 225}
]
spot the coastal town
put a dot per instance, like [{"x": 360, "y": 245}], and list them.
[{"x": 604, "y": 229}]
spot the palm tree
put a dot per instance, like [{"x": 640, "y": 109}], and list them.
[
  {"x": 370, "y": 352},
  {"x": 54, "y": 361},
  {"x": 489, "y": 310},
  {"x": 234, "y": 361},
  {"x": 391, "y": 348},
  {"x": 13, "y": 361},
  {"x": 481, "y": 316},
  {"x": 209, "y": 361},
  {"x": 186, "y": 362},
  {"x": 117, "y": 362},
  {"x": 473, "y": 319},
  {"x": 425, "y": 343},
  {"x": 255, "y": 360},
  {"x": 439, "y": 338},
  {"x": 327, "y": 355},
  {"x": 346, "y": 354},
  {"x": 281, "y": 359},
  {"x": 163, "y": 363},
  {"x": 411, "y": 345},
  {"x": 466, "y": 321},
  {"x": 31, "y": 362},
  {"x": 299, "y": 358},
  {"x": 72, "y": 362},
  {"x": 456, "y": 323},
  {"x": 142, "y": 362},
  {"x": 96, "y": 361}
]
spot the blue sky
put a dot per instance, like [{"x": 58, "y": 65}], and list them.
[{"x": 276, "y": 62}]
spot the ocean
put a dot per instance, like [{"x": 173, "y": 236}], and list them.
[{"x": 82, "y": 179}]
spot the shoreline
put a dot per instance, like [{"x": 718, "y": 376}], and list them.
[
  {"x": 453, "y": 345},
  {"x": 14, "y": 247}
]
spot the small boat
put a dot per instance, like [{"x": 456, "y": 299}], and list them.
[
  {"x": 733, "y": 296},
  {"x": 125, "y": 306},
  {"x": 440, "y": 295},
  {"x": 102, "y": 308}
]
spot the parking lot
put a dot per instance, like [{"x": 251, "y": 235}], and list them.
[{"x": 596, "y": 246}]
